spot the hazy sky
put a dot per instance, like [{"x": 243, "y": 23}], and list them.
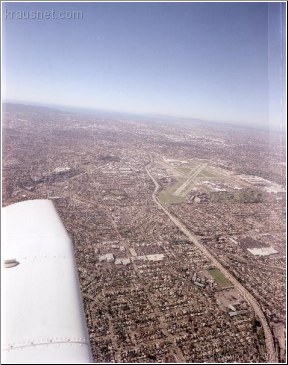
[{"x": 215, "y": 61}]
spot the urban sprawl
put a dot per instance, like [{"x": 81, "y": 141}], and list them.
[{"x": 178, "y": 229}]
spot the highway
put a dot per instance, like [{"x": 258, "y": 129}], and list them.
[{"x": 270, "y": 348}]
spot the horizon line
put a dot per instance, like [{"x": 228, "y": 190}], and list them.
[{"x": 78, "y": 108}]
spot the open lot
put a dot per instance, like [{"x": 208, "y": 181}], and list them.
[{"x": 219, "y": 277}]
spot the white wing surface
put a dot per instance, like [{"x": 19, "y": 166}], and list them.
[{"x": 42, "y": 313}]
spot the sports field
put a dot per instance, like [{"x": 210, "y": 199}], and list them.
[{"x": 219, "y": 277}]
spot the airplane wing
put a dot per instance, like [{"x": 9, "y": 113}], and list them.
[{"x": 43, "y": 319}]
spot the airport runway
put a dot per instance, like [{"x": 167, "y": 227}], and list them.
[{"x": 269, "y": 341}]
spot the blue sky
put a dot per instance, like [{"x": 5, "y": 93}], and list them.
[{"x": 214, "y": 61}]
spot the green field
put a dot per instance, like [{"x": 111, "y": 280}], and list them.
[
  {"x": 210, "y": 173},
  {"x": 219, "y": 277},
  {"x": 186, "y": 170},
  {"x": 168, "y": 198}
]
